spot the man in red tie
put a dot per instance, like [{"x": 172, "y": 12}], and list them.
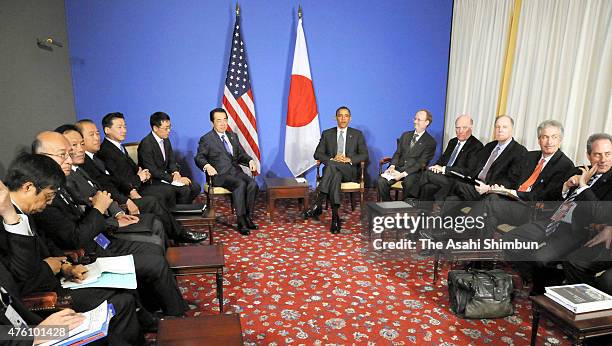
[{"x": 542, "y": 173}]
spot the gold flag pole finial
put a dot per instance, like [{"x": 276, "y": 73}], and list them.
[
  {"x": 237, "y": 9},
  {"x": 300, "y": 11}
]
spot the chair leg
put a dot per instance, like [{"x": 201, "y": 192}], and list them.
[
  {"x": 435, "y": 268},
  {"x": 361, "y": 199},
  {"x": 352, "y": 201},
  {"x": 396, "y": 195}
]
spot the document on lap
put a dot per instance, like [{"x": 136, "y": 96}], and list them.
[
  {"x": 174, "y": 183},
  {"x": 94, "y": 327},
  {"x": 115, "y": 272}
]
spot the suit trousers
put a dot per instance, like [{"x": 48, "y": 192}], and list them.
[
  {"x": 156, "y": 283},
  {"x": 584, "y": 263},
  {"x": 186, "y": 194},
  {"x": 148, "y": 229},
  {"x": 243, "y": 188},
  {"x": 408, "y": 185},
  {"x": 555, "y": 248},
  {"x": 149, "y": 204},
  {"x": 334, "y": 174},
  {"x": 498, "y": 209},
  {"x": 164, "y": 193},
  {"x": 429, "y": 184}
]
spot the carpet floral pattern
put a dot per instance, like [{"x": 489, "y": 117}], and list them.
[{"x": 293, "y": 282}]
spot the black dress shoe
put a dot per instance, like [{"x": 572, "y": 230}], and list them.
[
  {"x": 242, "y": 229},
  {"x": 250, "y": 224},
  {"x": 335, "y": 225},
  {"x": 315, "y": 210},
  {"x": 191, "y": 237}
]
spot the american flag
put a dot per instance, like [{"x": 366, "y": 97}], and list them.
[{"x": 238, "y": 98}]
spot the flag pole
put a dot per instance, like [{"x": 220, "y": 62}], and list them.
[
  {"x": 237, "y": 10},
  {"x": 300, "y": 11}
]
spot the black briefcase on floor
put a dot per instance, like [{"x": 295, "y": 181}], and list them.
[{"x": 480, "y": 293}]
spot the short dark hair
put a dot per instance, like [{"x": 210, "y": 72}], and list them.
[
  {"x": 157, "y": 118},
  {"x": 79, "y": 124},
  {"x": 66, "y": 128},
  {"x": 596, "y": 137},
  {"x": 216, "y": 110},
  {"x": 343, "y": 107},
  {"x": 107, "y": 121},
  {"x": 40, "y": 170}
]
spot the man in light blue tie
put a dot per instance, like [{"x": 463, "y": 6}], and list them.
[{"x": 220, "y": 156}]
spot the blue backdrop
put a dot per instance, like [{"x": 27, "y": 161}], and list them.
[{"x": 383, "y": 59}]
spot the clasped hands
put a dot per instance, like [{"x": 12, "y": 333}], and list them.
[
  {"x": 176, "y": 176},
  {"x": 341, "y": 158},
  {"x": 144, "y": 174},
  {"x": 395, "y": 174}
]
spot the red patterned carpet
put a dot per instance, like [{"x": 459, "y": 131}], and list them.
[{"x": 293, "y": 282}]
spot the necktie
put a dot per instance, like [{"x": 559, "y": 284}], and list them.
[
  {"x": 163, "y": 150},
  {"x": 122, "y": 148},
  {"x": 340, "y": 150},
  {"x": 564, "y": 209},
  {"x": 84, "y": 174},
  {"x": 413, "y": 141},
  {"x": 226, "y": 145},
  {"x": 453, "y": 157},
  {"x": 100, "y": 164},
  {"x": 532, "y": 178},
  {"x": 485, "y": 170}
]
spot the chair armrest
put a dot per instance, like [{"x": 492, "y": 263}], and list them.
[
  {"x": 46, "y": 301},
  {"x": 382, "y": 162}
]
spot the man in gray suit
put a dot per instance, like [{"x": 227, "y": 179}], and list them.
[
  {"x": 220, "y": 156},
  {"x": 414, "y": 151}
]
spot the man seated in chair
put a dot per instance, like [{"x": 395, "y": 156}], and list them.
[
  {"x": 341, "y": 149},
  {"x": 542, "y": 174},
  {"x": 414, "y": 151},
  {"x": 220, "y": 156},
  {"x": 457, "y": 154},
  {"x": 155, "y": 154},
  {"x": 126, "y": 172},
  {"x": 587, "y": 197}
]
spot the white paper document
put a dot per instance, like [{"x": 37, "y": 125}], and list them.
[{"x": 106, "y": 268}]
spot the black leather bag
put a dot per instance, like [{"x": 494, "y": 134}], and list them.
[{"x": 480, "y": 293}]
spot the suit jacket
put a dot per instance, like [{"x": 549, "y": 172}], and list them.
[
  {"x": 24, "y": 255},
  {"x": 593, "y": 203},
  {"x": 80, "y": 186},
  {"x": 106, "y": 182},
  {"x": 413, "y": 160},
  {"x": 151, "y": 158},
  {"x": 504, "y": 171},
  {"x": 212, "y": 151},
  {"x": 355, "y": 147},
  {"x": 68, "y": 226},
  {"x": 549, "y": 184},
  {"x": 469, "y": 148},
  {"x": 8, "y": 283},
  {"x": 121, "y": 166}
]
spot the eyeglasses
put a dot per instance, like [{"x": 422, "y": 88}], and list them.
[
  {"x": 168, "y": 128},
  {"x": 62, "y": 156}
]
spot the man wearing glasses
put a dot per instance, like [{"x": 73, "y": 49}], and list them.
[{"x": 155, "y": 154}]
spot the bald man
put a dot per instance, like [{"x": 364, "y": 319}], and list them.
[
  {"x": 69, "y": 225},
  {"x": 456, "y": 155}
]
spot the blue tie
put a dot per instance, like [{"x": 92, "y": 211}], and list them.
[
  {"x": 453, "y": 157},
  {"x": 226, "y": 145}
]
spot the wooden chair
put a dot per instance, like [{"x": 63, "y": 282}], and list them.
[
  {"x": 397, "y": 186},
  {"x": 350, "y": 187}
]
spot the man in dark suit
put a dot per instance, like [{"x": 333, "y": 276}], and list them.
[
  {"x": 95, "y": 171},
  {"x": 564, "y": 231},
  {"x": 127, "y": 174},
  {"x": 542, "y": 174},
  {"x": 32, "y": 181},
  {"x": 80, "y": 191},
  {"x": 496, "y": 163},
  {"x": 220, "y": 156},
  {"x": 457, "y": 154},
  {"x": 414, "y": 151},
  {"x": 155, "y": 154},
  {"x": 68, "y": 226},
  {"x": 341, "y": 149}
]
